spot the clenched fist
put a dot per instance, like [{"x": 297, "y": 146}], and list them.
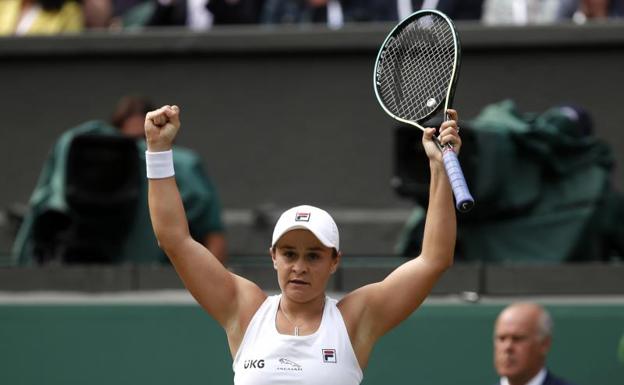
[
  {"x": 448, "y": 133},
  {"x": 161, "y": 128}
]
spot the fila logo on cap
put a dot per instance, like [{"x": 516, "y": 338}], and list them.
[
  {"x": 329, "y": 356},
  {"x": 302, "y": 217}
]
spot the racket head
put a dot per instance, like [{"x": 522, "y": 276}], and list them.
[{"x": 417, "y": 67}]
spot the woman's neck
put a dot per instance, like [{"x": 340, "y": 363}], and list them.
[
  {"x": 303, "y": 318},
  {"x": 308, "y": 309}
]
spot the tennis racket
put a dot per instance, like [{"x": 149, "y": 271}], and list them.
[{"x": 415, "y": 77}]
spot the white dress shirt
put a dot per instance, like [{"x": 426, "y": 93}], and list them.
[{"x": 537, "y": 380}]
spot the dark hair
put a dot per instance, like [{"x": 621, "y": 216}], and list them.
[{"x": 130, "y": 105}]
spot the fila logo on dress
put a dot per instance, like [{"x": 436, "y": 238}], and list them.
[{"x": 329, "y": 356}]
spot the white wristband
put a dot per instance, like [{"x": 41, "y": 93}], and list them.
[{"x": 159, "y": 164}]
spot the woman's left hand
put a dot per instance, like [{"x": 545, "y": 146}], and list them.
[{"x": 448, "y": 134}]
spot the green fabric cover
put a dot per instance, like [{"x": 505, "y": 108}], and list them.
[
  {"x": 199, "y": 196},
  {"x": 542, "y": 191}
]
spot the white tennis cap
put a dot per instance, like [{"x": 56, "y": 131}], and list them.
[{"x": 318, "y": 221}]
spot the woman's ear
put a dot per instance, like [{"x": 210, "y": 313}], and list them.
[
  {"x": 272, "y": 252},
  {"x": 336, "y": 262}
]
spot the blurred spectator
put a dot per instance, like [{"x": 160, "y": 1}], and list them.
[
  {"x": 47, "y": 227},
  {"x": 202, "y": 14},
  {"x": 520, "y": 12},
  {"x": 337, "y": 12},
  {"x": 582, "y": 10},
  {"x": 97, "y": 13},
  {"x": 307, "y": 11},
  {"x": 334, "y": 13},
  {"x": 522, "y": 340},
  {"x": 455, "y": 9},
  {"x": 330, "y": 12},
  {"x": 235, "y": 11},
  {"x": 370, "y": 10},
  {"x": 122, "y": 6},
  {"x": 43, "y": 17},
  {"x": 128, "y": 14}
]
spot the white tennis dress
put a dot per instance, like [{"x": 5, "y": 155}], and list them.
[{"x": 324, "y": 358}]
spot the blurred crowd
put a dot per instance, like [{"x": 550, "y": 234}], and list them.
[{"x": 24, "y": 17}]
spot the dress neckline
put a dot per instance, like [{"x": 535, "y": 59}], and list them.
[{"x": 282, "y": 335}]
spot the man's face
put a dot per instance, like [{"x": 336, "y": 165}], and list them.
[{"x": 519, "y": 350}]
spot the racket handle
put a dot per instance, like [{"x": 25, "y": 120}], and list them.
[{"x": 463, "y": 199}]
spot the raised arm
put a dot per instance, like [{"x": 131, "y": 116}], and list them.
[
  {"x": 373, "y": 310},
  {"x": 229, "y": 299}
]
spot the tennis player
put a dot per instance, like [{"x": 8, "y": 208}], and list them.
[{"x": 300, "y": 336}]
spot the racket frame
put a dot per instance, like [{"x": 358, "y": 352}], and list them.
[
  {"x": 450, "y": 91},
  {"x": 464, "y": 201}
]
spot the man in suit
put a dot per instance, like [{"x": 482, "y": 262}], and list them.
[{"x": 522, "y": 339}]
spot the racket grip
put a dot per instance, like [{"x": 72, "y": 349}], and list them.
[{"x": 463, "y": 199}]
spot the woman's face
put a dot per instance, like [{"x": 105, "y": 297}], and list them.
[{"x": 303, "y": 265}]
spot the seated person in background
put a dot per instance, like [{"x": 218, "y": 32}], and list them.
[
  {"x": 333, "y": 13},
  {"x": 40, "y": 17},
  {"x": 130, "y": 14},
  {"x": 520, "y": 12},
  {"x": 337, "y": 12},
  {"x": 203, "y": 14},
  {"x": 122, "y": 6},
  {"x": 200, "y": 197},
  {"x": 455, "y": 9},
  {"x": 97, "y": 13},
  {"x": 522, "y": 339},
  {"x": 580, "y": 11}
]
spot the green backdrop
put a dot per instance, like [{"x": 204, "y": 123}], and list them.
[{"x": 179, "y": 344}]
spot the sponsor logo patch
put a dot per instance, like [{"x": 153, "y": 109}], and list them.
[
  {"x": 253, "y": 364},
  {"x": 329, "y": 356},
  {"x": 302, "y": 217},
  {"x": 287, "y": 365}
]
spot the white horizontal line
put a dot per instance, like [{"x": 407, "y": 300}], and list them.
[{"x": 182, "y": 297}]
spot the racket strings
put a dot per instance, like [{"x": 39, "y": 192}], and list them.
[{"x": 417, "y": 68}]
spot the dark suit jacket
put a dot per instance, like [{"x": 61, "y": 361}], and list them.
[
  {"x": 551, "y": 379},
  {"x": 386, "y": 10},
  {"x": 297, "y": 11},
  {"x": 461, "y": 9},
  {"x": 223, "y": 11}
]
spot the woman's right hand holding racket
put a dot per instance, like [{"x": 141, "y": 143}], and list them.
[{"x": 161, "y": 128}]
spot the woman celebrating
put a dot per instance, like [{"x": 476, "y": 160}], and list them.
[{"x": 300, "y": 336}]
